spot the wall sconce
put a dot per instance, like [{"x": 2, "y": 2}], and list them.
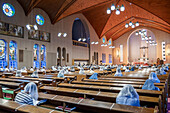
[{"x": 62, "y": 34}]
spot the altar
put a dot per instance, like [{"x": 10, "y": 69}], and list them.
[{"x": 143, "y": 55}]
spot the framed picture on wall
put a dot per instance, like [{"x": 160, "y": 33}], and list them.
[
  {"x": 11, "y": 30},
  {"x": 44, "y": 36},
  {"x": 32, "y": 34}
]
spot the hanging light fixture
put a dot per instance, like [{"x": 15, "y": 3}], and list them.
[
  {"x": 62, "y": 34},
  {"x": 137, "y": 33},
  {"x": 118, "y": 9},
  {"x": 108, "y": 11},
  {"x": 126, "y": 25},
  {"x": 122, "y": 8},
  {"x": 131, "y": 24}
]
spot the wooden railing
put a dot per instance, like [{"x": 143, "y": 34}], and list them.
[{"x": 83, "y": 44}]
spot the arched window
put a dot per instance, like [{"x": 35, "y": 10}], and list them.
[
  {"x": 43, "y": 56},
  {"x": 80, "y": 33},
  {"x": 3, "y": 53},
  {"x": 13, "y": 54},
  {"x": 36, "y": 56}
]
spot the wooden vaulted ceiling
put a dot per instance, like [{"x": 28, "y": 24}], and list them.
[{"x": 150, "y": 13}]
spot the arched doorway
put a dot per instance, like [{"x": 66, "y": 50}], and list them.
[{"x": 58, "y": 56}]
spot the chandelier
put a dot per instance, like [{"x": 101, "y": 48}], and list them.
[
  {"x": 133, "y": 25},
  {"x": 29, "y": 27},
  {"x": 146, "y": 38},
  {"x": 117, "y": 9}
]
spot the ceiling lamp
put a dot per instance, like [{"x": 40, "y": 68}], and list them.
[
  {"x": 118, "y": 9},
  {"x": 150, "y": 37},
  {"x": 65, "y": 34},
  {"x": 126, "y": 25},
  {"x": 122, "y": 8},
  {"x": 137, "y": 33},
  {"x": 34, "y": 27},
  {"x": 108, "y": 11},
  {"x": 131, "y": 24}
]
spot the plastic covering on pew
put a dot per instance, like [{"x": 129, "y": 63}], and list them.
[
  {"x": 31, "y": 90},
  {"x": 94, "y": 76},
  {"x": 128, "y": 96},
  {"x": 118, "y": 72},
  {"x": 149, "y": 85},
  {"x": 61, "y": 74},
  {"x": 154, "y": 77}
]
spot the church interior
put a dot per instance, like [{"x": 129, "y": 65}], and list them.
[{"x": 85, "y": 56}]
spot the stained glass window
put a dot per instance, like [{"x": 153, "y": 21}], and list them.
[
  {"x": 103, "y": 58},
  {"x": 110, "y": 58},
  {"x": 8, "y": 9},
  {"x": 36, "y": 56},
  {"x": 3, "y": 53},
  {"x": 110, "y": 42},
  {"x": 39, "y": 19},
  {"x": 103, "y": 40},
  {"x": 43, "y": 56},
  {"x": 13, "y": 54}
]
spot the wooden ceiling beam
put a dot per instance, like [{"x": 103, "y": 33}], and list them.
[
  {"x": 62, "y": 11},
  {"x": 32, "y": 5}
]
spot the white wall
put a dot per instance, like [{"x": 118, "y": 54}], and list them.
[{"x": 64, "y": 25}]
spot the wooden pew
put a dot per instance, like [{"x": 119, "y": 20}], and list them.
[
  {"x": 98, "y": 95},
  {"x": 12, "y": 106},
  {"x": 98, "y": 83},
  {"x": 94, "y": 106}
]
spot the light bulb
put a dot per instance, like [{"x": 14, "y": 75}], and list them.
[
  {"x": 137, "y": 33},
  {"x": 59, "y": 34},
  {"x": 79, "y": 39},
  {"x": 113, "y": 7},
  {"x": 110, "y": 46},
  {"x": 122, "y": 8},
  {"x": 137, "y": 23},
  {"x": 146, "y": 38},
  {"x": 126, "y": 25},
  {"x": 105, "y": 45},
  {"x": 147, "y": 42},
  {"x": 65, "y": 34},
  {"x": 28, "y": 27},
  {"x": 102, "y": 45},
  {"x": 133, "y": 26},
  {"x": 113, "y": 46},
  {"x": 117, "y": 12},
  {"x": 35, "y": 27},
  {"x": 130, "y": 23},
  {"x": 84, "y": 40},
  {"x": 92, "y": 42},
  {"x": 96, "y": 42},
  {"x": 150, "y": 37},
  {"x": 108, "y": 11}
]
